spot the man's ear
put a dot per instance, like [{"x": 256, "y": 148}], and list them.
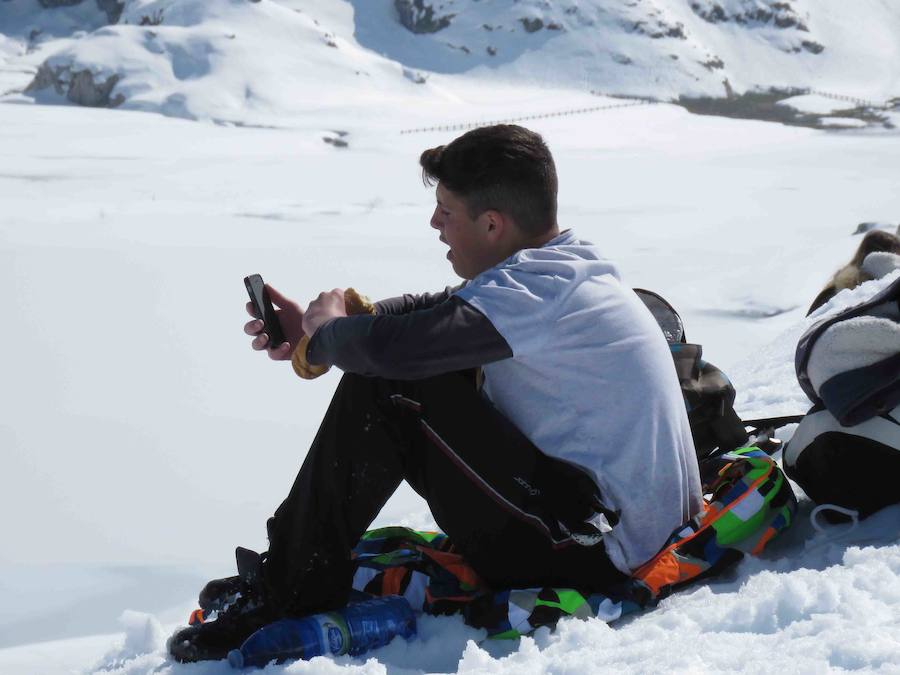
[{"x": 495, "y": 223}]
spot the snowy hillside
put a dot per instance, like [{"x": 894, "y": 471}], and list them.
[
  {"x": 647, "y": 46},
  {"x": 224, "y": 59},
  {"x": 247, "y": 61}
]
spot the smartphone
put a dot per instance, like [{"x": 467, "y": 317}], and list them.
[{"x": 262, "y": 306}]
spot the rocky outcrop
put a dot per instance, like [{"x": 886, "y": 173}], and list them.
[
  {"x": 415, "y": 76},
  {"x": 532, "y": 24},
  {"x": 51, "y": 4},
  {"x": 79, "y": 86},
  {"x": 419, "y": 16},
  {"x": 812, "y": 47},
  {"x": 777, "y": 14},
  {"x": 112, "y": 8},
  {"x": 768, "y": 12},
  {"x": 657, "y": 29}
]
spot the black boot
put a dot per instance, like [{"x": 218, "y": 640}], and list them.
[
  {"x": 219, "y": 593},
  {"x": 212, "y": 640},
  {"x": 237, "y": 607}
]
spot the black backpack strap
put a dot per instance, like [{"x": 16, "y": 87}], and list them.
[{"x": 771, "y": 422}]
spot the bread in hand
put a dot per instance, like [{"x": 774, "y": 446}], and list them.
[{"x": 354, "y": 303}]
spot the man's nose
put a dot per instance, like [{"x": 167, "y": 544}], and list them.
[{"x": 435, "y": 222}]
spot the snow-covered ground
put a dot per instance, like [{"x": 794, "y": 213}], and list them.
[
  {"x": 141, "y": 438},
  {"x": 139, "y": 429}
]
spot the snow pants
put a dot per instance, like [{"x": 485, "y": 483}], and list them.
[{"x": 507, "y": 507}]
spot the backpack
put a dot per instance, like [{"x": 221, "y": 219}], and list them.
[
  {"x": 850, "y": 362},
  {"x": 846, "y": 450},
  {"x": 749, "y": 503},
  {"x": 708, "y": 393},
  {"x": 856, "y": 468}
]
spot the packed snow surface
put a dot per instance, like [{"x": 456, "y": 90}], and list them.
[
  {"x": 142, "y": 430},
  {"x": 142, "y": 439}
]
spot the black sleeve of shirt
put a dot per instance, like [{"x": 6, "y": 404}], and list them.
[
  {"x": 408, "y": 302},
  {"x": 450, "y": 336}
]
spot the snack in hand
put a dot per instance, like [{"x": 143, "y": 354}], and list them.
[{"x": 354, "y": 303}]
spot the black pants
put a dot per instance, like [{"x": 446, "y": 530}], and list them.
[{"x": 496, "y": 495}]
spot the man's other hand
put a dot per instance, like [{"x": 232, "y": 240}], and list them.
[
  {"x": 329, "y": 305},
  {"x": 290, "y": 316}
]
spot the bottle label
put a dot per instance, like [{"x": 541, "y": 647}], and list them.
[
  {"x": 334, "y": 630},
  {"x": 335, "y": 640}
]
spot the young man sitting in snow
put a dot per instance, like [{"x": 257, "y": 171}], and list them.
[{"x": 568, "y": 467}]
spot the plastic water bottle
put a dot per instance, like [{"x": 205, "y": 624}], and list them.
[{"x": 353, "y": 630}]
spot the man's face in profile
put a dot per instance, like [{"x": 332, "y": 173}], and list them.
[{"x": 470, "y": 250}]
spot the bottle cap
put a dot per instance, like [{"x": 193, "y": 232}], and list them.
[{"x": 236, "y": 659}]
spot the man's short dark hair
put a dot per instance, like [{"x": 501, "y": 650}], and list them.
[{"x": 503, "y": 167}]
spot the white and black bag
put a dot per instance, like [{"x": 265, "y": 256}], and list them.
[
  {"x": 846, "y": 450},
  {"x": 856, "y": 467}
]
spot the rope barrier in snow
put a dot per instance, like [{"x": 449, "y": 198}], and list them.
[
  {"x": 629, "y": 97},
  {"x": 803, "y": 91},
  {"x": 632, "y": 101}
]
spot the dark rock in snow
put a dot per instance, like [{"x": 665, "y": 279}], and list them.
[
  {"x": 658, "y": 29},
  {"x": 414, "y": 76},
  {"x": 112, "y": 8},
  {"x": 84, "y": 90},
  {"x": 79, "y": 86},
  {"x": 759, "y": 12},
  {"x": 419, "y": 16},
  {"x": 770, "y": 105},
  {"x": 531, "y": 25},
  {"x": 462, "y": 48},
  {"x": 154, "y": 19},
  {"x": 337, "y": 140},
  {"x": 52, "y": 4},
  {"x": 713, "y": 14},
  {"x": 812, "y": 47}
]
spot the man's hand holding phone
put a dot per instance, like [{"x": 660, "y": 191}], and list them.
[
  {"x": 288, "y": 317},
  {"x": 279, "y": 330}
]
